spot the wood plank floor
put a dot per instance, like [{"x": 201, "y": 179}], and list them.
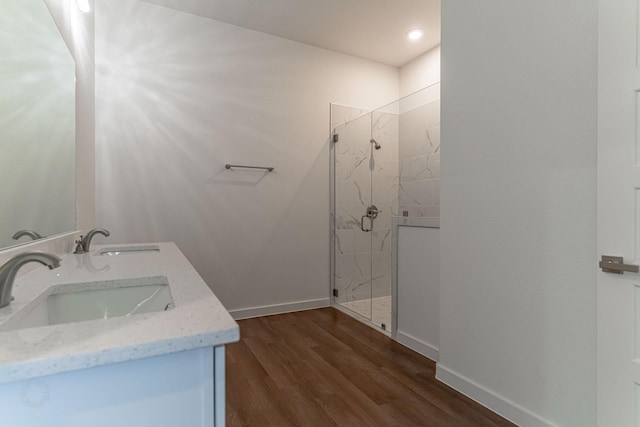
[{"x": 323, "y": 368}]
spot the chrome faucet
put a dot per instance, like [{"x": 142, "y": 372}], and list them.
[
  {"x": 85, "y": 242},
  {"x": 33, "y": 234},
  {"x": 10, "y": 268}
]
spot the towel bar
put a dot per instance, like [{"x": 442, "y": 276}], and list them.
[{"x": 268, "y": 168}]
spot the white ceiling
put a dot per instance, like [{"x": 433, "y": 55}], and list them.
[{"x": 371, "y": 29}]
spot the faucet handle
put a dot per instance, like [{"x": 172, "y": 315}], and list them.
[{"x": 79, "y": 246}]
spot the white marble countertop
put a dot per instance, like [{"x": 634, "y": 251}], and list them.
[{"x": 197, "y": 320}]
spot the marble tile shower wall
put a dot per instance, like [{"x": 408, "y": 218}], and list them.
[
  {"x": 419, "y": 192},
  {"x": 404, "y": 175},
  {"x": 364, "y": 176},
  {"x": 385, "y": 186}
]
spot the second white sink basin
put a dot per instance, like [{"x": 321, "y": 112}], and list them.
[{"x": 78, "y": 302}]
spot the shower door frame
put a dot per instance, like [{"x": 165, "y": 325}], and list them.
[
  {"x": 373, "y": 163},
  {"x": 410, "y": 169}
]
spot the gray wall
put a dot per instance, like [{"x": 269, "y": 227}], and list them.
[
  {"x": 178, "y": 96},
  {"x": 518, "y": 199}
]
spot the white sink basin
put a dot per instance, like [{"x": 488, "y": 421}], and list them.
[
  {"x": 78, "y": 302},
  {"x": 123, "y": 250}
]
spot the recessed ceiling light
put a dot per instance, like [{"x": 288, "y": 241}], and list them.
[{"x": 415, "y": 34}]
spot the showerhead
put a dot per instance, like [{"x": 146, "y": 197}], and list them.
[{"x": 375, "y": 144}]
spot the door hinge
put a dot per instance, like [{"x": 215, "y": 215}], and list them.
[
  {"x": 336, "y": 138},
  {"x": 335, "y": 293}
]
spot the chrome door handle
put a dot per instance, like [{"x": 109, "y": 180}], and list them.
[
  {"x": 372, "y": 213},
  {"x": 362, "y": 223},
  {"x": 614, "y": 264}
]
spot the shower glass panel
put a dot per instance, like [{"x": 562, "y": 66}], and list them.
[
  {"x": 385, "y": 180},
  {"x": 352, "y": 197},
  {"x": 365, "y": 188},
  {"x": 419, "y": 154},
  {"x": 385, "y": 170}
]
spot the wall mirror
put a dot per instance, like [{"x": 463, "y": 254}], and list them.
[{"x": 37, "y": 124}]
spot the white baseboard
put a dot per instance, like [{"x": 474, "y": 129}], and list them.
[
  {"x": 427, "y": 350},
  {"x": 267, "y": 310},
  {"x": 498, "y": 404}
]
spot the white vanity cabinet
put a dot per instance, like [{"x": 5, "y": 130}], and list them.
[
  {"x": 177, "y": 389},
  {"x": 154, "y": 369}
]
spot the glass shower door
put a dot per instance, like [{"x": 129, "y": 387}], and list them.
[
  {"x": 375, "y": 178},
  {"x": 384, "y": 193},
  {"x": 354, "y": 216}
]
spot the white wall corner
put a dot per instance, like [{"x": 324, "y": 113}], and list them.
[
  {"x": 77, "y": 30},
  {"x": 427, "y": 350},
  {"x": 84, "y": 36}
]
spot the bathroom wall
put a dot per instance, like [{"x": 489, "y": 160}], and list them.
[
  {"x": 418, "y": 288},
  {"x": 518, "y": 200},
  {"x": 178, "y": 96},
  {"x": 417, "y": 267},
  {"x": 421, "y": 72}
]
